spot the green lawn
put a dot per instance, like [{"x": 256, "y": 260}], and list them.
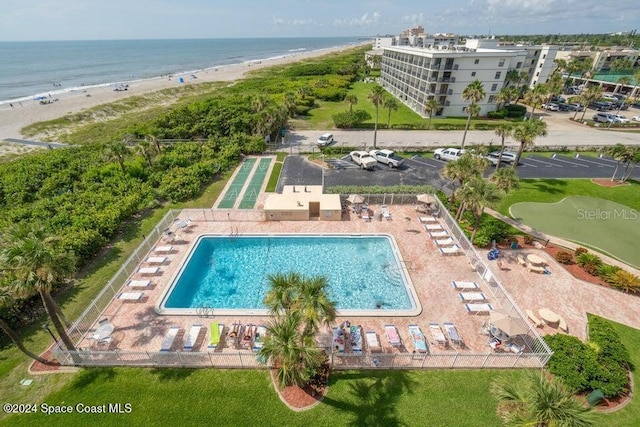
[
  {"x": 320, "y": 117},
  {"x": 554, "y": 190},
  {"x": 606, "y": 226},
  {"x": 246, "y": 397}
]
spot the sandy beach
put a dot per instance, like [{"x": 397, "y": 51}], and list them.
[{"x": 13, "y": 119}]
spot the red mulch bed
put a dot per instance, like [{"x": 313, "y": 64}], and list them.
[
  {"x": 40, "y": 367},
  {"x": 305, "y": 397},
  {"x": 577, "y": 271},
  {"x": 608, "y": 183}
]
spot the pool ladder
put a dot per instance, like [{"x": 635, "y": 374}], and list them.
[{"x": 234, "y": 232}]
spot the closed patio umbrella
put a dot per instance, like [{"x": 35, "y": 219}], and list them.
[
  {"x": 355, "y": 199},
  {"x": 508, "y": 323},
  {"x": 425, "y": 198}
]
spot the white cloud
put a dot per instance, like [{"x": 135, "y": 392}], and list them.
[
  {"x": 294, "y": 22},
  {"x": 365, "y": 20},
  {"x": 413, "y": 19}
]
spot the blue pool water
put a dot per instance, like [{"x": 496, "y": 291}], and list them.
[{"x": 364, "y": 272}]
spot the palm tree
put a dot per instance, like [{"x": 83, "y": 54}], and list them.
[
  {"x": 526, "y": 132},
  {"x": 290, "y": 103},
  {"x": 503, "y": 130},
  {"x": 116, "y": 151},
  {"x": 430, "y": 107},
  {"x": 453, "y": 172},
  {"x": 462, "y": 170},
  {"x": 34, "y": 262},
  {"x": 540, "y": 403},
  {"x": 314, "y": 305},
  {"x": 352, "y": 100},
  {"x": 632, "y": 158},
  {"x": 477, "y": 194},
  {"x": 390, "y": 104},
  {"x": 143, "y": 148},
  {"x": 505, "y": 96},
  {"x": 505, "y": 179},
  {"x": 376, "y": 96},
  {"x": 554, "y": 86},
  {"x": 512, "y": 75},
  {"x": 259, "y": 103},
  {"x": 617, "y": 153},
  {"x": 473, "y": 93},
  {"x": 5, "y": 300},
  {"x": 536, "y": 96},
  {"x": 153, "y": 140},
  {"x": 295, "y": 357},
  {"x": 592, "y": 94}
]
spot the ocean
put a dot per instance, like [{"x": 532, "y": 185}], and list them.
[{"x": 31, "y": 69}]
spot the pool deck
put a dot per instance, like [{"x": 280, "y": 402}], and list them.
[{"x": 139, "y": 328}]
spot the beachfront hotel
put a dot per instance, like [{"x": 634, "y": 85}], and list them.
[{"x": 416, "y": 74}]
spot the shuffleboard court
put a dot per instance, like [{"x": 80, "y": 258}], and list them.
[
  {"x": 253, "y": 189},
  {"x": 596, "y": 223},
  {"x": 234, "y": 189}
]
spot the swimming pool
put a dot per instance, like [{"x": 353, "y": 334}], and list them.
[{"x": 366, "y": 274}]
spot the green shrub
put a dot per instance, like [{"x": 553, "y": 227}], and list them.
[
  {"x": 580, "y": 250},
  {"x": 302, "y": 110},
  {"x": 490, "y": 229},
  {"x": 308, "y": 70},
  {"x": 528, "y": 239},
  {"x": 564, "y": 257},
  {"x": 589, "y": 262},
  {"x": 600, "y": 365},
  {"x": 624, "y": 281},
  {"x": 605, "y": 271},
  {"x": 350, "y": 120},
  {"x": 500, "y": 114},
  {"x": 515, "y": 111}
]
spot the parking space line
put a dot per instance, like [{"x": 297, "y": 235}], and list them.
[
  {"x": 423, "y": 161},
  {"x": 547, "y": 164},
  {"x": 600, "y": 165},
  {"x": 553, "y": 157}
]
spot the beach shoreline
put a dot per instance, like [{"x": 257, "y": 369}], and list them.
[{"x": 15, "y": 116}]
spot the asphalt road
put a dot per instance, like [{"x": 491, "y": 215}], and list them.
[{"x": 420, "y": 170}]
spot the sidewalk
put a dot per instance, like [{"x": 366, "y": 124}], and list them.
[{"x": 558, "y": 241}]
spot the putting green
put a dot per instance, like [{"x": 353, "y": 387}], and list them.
[{"x": 603, "y": 225}]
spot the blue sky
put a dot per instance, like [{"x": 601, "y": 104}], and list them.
[{"x": 153, "y": 19}]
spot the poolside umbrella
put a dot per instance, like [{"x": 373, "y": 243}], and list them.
[
  {"x": 425, "y": 198},
  {"x": 355, "y": 199},
  {"x": 507, "y": 323}
]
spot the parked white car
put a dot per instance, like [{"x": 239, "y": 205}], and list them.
[
  {"x": 448, "y": 154},
  {"x": 551, "y": 107},
  {"x": 363, "y": 159},
  {"x": 387, "y": 157},
  {"x": 635, "y": 118},
  {"x": 325, "y": 140},
  {"x": 617, "y": 118},
  {"x": 507, "y": 157}
]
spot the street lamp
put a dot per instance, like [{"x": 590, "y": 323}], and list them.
[{"x": 45, "y": 326}]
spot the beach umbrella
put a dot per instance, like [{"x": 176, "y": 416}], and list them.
[
  {"x": 355, "y": 199},
  {"x": 425, "y": 198},
  {"x": 507, "y": 323}
]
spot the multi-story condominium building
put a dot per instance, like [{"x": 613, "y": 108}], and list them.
[
  {"x": 415, "y": 75},
  {"x": 601, "y": 60}
]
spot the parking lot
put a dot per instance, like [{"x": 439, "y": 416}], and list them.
[{"x": 420, "y": 170}]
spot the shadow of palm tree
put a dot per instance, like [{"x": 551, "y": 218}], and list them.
[
  {"x": 89, "y": 376},
  {"x": 372, "y": 396},
  {"x": 148, "y": 325},
  {"x": 165, "y": 374}
]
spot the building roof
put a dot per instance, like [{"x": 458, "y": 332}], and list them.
[{"x": 298, "y": 197}]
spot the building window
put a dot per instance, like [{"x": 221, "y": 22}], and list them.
[
  {"x": 473, "y": 74},
  {"x": 519, "y": 65},
  {"x": 537, "y": 74},
  {"x": 498, "y": 74},
  {"x": 494, "y": 87},
  {"x": 544, "y": 56},
  {"x": 492, "y": 99},
  {"x": 477, "y": 61},
  {"x": 501, "y": 63}
]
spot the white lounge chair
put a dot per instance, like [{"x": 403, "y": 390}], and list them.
[
  {"x": 355, "y": 337},
  {"x": 472, "y": 296},
  {"x": 452, "y": 332},
  {"x": 436, "y": 334},
  {"x": 258, "y": 339},
  {"x": 131, "y": 296},
  {"x": 192, "y": 337},
  {"x": 478, "y": 308},
  {"x": 464, "y": 285},
  {"x": 445, "y": 242},
  {"x": 139, "y": 283},
  {"x": 163, "y": 249},
  {"x": 149, "y": 270},
  {"x": 427, "y": 219},
  {"x": 392, "y": 335},
  {"x": 385, "y": 212},
  {"x": 449, "y": 250},
  {"x": 373, "y": 344},
  {"x": 169, "y": 338},
  {"x": 429, "y": 227},
  {"x": 438, "y": 234},
  {"x": 156, "y": 259}
]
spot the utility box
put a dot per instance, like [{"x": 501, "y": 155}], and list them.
[{"x": 595, "y": 397}]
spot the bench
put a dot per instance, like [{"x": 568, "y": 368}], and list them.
[
  {"x": 562, "y": 324},
  {"x": 537, "y": 269},
  {"x": 534, "y": 319}
]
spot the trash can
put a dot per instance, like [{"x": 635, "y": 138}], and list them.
[{"x": 595, "y": 397}]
